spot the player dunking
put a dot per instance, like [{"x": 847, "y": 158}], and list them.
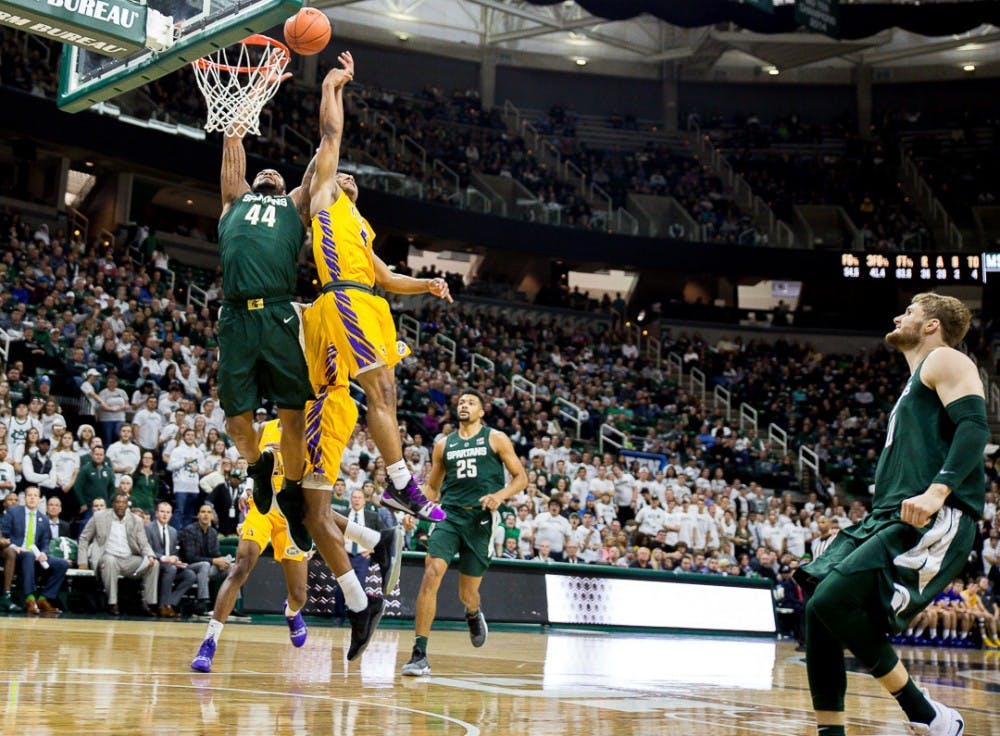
[
  {"x": 929, "y": 491},
  {"x": 261, "y": 232},
  {"x": 259, "y": 529},
  {"x": 467, "y": 476},
  {"x": 358, "y": 323}
]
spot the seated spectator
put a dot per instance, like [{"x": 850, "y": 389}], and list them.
[
  {"x": 199, "y": 543},
  {"x": 26, "y": 531},
  {"x": 114, "y": 542},
  {"x": 176, "y": 577}
]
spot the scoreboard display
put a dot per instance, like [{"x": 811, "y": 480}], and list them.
[{"x": 918, "y": 268}]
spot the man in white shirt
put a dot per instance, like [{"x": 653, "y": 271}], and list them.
[
  {"x": 89, "y": 390},
  {"x": 650, "y": 519},
  {"x": 601, "y": 483},
  {"x": 355, "y": 479},
  {"x": 186, "y": 463},
  {"x": 147, "y": 424},
  {"x": 588, "y": 538},
  {"x": 773, "y": 534},
  {"x": 8, "y": 478},
  {"x": 170, "y": 400},
  {"x": 579, "y": 488},
  {"x": 526, "y": 526},
  {"x": 111, "y": 413},
  {"x": 124, "y": 454},
  {"x": 553, "y": 528},
  {"x": 19, "y": 425},
  {"x": 626, "y": 493},
  {"x": 36, "y": 467}
]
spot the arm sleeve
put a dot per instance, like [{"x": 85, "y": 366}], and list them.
[{"x": 965, "y": 456}]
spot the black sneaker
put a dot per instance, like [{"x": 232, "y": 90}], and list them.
[
  {"x": 263, "y": 489},
  {"x": 478, "y": 630},
  {"x": 386, "y": 555},
  {"x": 418, "y": 664},
  {"x": 363, "y": 625},
  {"x": 291, "y": 505}
]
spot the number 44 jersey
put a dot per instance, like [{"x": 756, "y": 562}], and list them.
[
  {"x": 472, "y": 469},
  {"x": 260, "y": 237}
]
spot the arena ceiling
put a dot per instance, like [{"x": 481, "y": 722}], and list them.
[{"x": 556, "y": 34}]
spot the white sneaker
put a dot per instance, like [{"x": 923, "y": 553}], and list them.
[{"x": 947, "y": 722}]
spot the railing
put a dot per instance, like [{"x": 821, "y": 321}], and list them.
[
  {"x": 473, "y": 193},
  {"x": 305, "y": 145},
  {"x": 481, "y": 182},
  {"x": 808, "y": 459},
  {"x": 928, "y": 201},
  {"x": 522, "y": 385},
  {"x": 572, "y": 171},
  {"x": 481, "y": 361},
  {"x": 406, "y": 141},
  {"x": 697, "y": 383},
  {"x": 654, "y": 350},
  {"x": 380, "y": 118},
  {"x": 595, "y": 193},
  {"x": 197, "y": 295},
  {"x": 625, "y": 222},
  {"x": 440, "y": 166},
  {"x": 776, "y": 436},
  {"x": 571, "y": 412},
  {"x": 410, "y": 328},
  {"x": 611, "y": 436},
  {"x": 447, "y": 344},
  {"x": 723, "y": 398},
  {"x": 79, "y": 222},
  {"x": 748, "y": 416},
  {"x": 675, "y": 363}
]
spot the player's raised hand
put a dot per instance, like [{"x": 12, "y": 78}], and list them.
[{"x": 439, "y": 288}]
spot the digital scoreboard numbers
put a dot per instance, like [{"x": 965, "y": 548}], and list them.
[{"x": 936, "y": 268}]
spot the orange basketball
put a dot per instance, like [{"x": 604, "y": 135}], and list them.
[{"x": 307, "y": 32}]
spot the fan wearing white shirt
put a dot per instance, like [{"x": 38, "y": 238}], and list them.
[
  {"x": 650, "y": 519},
  {"x": 147, "y": 424},
  {"x": 124, "y": 454},
  {"x": 185, "y": 463}
]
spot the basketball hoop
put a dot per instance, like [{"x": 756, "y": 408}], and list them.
[{"x": 236, "y": 89}]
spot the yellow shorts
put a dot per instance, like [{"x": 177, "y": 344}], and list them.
[
  {"x": 270, "y": 527},
  {"x": 358, "y": 326},
  {"x": 330, "y": 421}
]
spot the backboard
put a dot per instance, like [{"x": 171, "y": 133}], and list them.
[{"x": 201, "y": 26}]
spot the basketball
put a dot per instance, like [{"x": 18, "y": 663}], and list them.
[{"x": 307, "y": 32}]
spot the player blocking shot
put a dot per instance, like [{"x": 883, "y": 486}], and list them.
[
  {"x": 467, "y": 476},
  {"x": 876, "y": 576}
]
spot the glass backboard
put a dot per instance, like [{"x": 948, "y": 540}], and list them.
[{"x": 201, "y": 26}]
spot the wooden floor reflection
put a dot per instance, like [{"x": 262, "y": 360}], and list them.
[{"x": 79, "y": 676}]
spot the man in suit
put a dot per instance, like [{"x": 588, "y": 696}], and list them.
[
  {"x": 175, "y": 576},
  {"x": 115, "y": 542},
  {"x": 27, "y": 529},
  {"x": 57, "y": 527},
  {"x": 200, "y": 550}
]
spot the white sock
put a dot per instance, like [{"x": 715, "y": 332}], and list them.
[
  {"x": 399, "y": 474},
  {"x": 909, "y": 631},
  {"x": 354, "y": 594},
  {"x": 920, "y": 632},
  {"x": 951, "y": 634},
  {"x": 362, "y": 535},
  {"x": 289, "y": 613},
  {"x": 214, "y": 630}
]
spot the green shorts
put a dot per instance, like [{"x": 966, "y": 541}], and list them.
[
  {"x": 915, "y": 564},
  {"x": 261, "y": 357},
  {"x": 468, "y": 533}
]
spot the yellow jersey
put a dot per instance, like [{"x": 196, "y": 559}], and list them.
[
  {"x": 270, "y": 436},
  {"x": 342, "y": 243}
]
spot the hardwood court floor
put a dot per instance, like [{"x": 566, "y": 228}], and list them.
[{"x": 95, "y": 676}]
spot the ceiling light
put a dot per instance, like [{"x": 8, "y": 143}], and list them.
[
  {"x": 89, "y": 164},
  {"x": 402, "y": 35},
  {"x": 971, "y": 47},
  {"x": 969, "y": 68},
  {"x": 580, "y": 61},
  {"x": 188, "y": 201},
  {"x": 773, "y": 71}
]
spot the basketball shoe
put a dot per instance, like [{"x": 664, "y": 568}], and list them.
[
  {"x": 203, "y": 660},
  {"x": 411, "y": 501},
  {"x": 947, "y": 722},
  {"x": 297, "y": 630},
  {"x": 261, "y": 472},
  {"x": 418, "y": 664},
  {"x": 478, "y": 630},
  {"x": 386, "y": 555}
]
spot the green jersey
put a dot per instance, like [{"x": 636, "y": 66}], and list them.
[
  {"x": 916, "y": 445},
  {"x": 472, "y": 470},
  {"x": 260, "y": 237}
]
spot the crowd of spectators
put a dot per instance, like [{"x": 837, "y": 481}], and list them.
[{"x": 789, "y": 162}]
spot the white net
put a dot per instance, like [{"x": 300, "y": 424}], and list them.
[{"x": 238, "y": 81}]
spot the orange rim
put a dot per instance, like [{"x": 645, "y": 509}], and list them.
[{"x": 254, "y": 40}]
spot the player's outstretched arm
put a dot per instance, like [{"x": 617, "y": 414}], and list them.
[
  {"x": 323, "y": 186},
  {"x": 234, "y": 171},
  {"x": 300, "y": 195},
  {"x": 504, "y": 449},
  {"x": 399, "y": 284},
  {"x": 432, "y": 486},
  {"x": 955, "y": 379}
]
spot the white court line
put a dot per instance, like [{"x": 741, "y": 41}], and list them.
[{"x": 470, "y": 730}]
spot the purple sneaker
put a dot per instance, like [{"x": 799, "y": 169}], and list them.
[
  {"x": 412, "y": 501},
  {"x": 203, "y": 661},
  {"x": 297, "y": 630}
]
